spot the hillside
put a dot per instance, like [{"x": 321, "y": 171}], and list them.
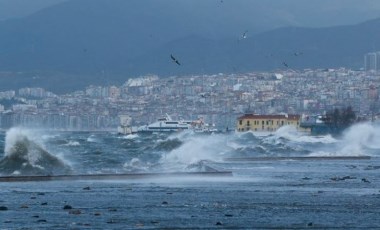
[{"x": 82, "y": 42}]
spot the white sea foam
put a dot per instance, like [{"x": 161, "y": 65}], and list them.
[
  {"x": 196, "y": 148},
  {"x": 25, "y": 151},
  {"x": 317, "y": 139},
  {"x": 91, "y": 139},
  {"x": 134, "y": 162},
  {"x": 290, "y": 133},
  {"x": 356, "y": 141},
  {"x": 365, "y": 134},
  {"x": 130, "y": 136},
  {"x": 72, "y": 143},
  {"x": 136, "y": 165},
  {"x": 359, "y": 137},
  {"x": 17, "y": 134},
  {"x": 49, "y": 136},
  {"x": 235, "y": 145}
]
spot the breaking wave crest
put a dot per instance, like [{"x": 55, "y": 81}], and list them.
[
  {"x": 136, "y": 165},
  {"x": 195, "y": 149},
  {"x": 290, "y": 133},
  {"x": 168, "y": 144},
  {"x": 358, "y": 140},
  {"x": 25, "y": 156},
  {"x": 361, "y": 138}
]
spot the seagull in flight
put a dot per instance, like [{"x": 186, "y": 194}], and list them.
[
  {"x": 285, "y": 64},
  {"x": 174, "y": 59},
  {"x": 298, "y": 54},
  {"x": 244, "y": 35}
]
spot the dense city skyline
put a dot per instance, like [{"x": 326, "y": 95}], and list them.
[{"x": 219, "y": 99}]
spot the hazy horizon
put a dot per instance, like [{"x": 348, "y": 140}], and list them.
[
  {"x": 128, "y": 38},
  {"x": 323, "y": 13}
]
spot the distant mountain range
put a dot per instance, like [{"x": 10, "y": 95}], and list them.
[{"x": 74, "y": 44}]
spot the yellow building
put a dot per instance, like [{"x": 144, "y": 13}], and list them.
[{"x": 266, "y": 123}]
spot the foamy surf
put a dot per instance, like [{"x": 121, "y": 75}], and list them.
[
  {"x": 72, "y": 143},
  {"x": 130, "y": 136},
  {"x": 290, "y": 133},
  {"x": 25, "y": 155},
  {"x": 196, "y": 149}
]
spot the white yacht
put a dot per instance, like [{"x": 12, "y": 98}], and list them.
[{"x": 165, "y": 124}]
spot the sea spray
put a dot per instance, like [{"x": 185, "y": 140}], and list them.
[
  {"x": 130, "y": 136},
  {"x": 360, "y": 137},
  {"x": 358, "y": 140},
  {"x": 197, "y": 148},
  {"x": 25, "y": 155},
  {"x": 290, "y": 133},
  {"x": 92, "y": 138},
  {"x": 168, "y": 144},
  {"x": 72, "y": 143},
  {"x": 136, "y": 165}
]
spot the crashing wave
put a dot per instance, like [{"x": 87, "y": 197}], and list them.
[
  {"x": 195, "y": 149},
  {"x": 136, "y": 165},
  {"x": 24, "y": 156},
  {"x": 168, "y": 144}
]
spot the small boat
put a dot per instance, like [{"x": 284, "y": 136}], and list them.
[{"x": 165, "y": 124}]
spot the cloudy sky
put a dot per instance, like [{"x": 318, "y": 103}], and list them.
[
  {"x": 314, "y": 13},
  {"x": 21, "y": 8}
]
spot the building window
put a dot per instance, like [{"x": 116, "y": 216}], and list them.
[
  {"x": 240, "y": 122},
  {"x": 262, "y": 122},
  {"x": 282, "y": 122},
  {"x": 267, "y": 122},
  {"x": 248, "y": 123}
]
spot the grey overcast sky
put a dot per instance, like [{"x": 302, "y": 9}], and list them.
[
  {"x": 20, "y": 8},
  {"x": 314, "y": 13}
]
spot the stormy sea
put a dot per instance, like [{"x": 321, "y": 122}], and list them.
[{"x": 286, "y": 179}]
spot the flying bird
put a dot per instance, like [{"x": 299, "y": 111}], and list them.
[
  {"x": 244, "y": 35},
  {"x": 285, "y": 64},
  {"x": 298, "y": 54},
  {"x": 174, "y": 59}
]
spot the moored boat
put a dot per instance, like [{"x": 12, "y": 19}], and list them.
[{"x": 165, "y": 124}]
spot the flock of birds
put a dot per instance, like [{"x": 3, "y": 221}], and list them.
[{"x": 244, "y": 35}]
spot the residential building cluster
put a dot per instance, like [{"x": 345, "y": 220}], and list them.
[{"x": 219, "y": 99}]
